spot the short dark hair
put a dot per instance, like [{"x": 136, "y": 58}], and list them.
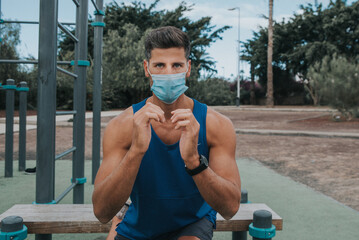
[{"x": 166, "y": 37}]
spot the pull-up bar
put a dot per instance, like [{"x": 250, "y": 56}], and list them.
[
  {"x": 95, "y": 5},
  {"x": 30, "y": 22},
  {"x": 65, "y": 30},
  {"x": 76, "y": 3},
  {"x": 67, "y": 72},
  {"x": 15, "y": 61}
]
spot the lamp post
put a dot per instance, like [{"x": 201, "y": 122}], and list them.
[{"x": 239, "y": 56}]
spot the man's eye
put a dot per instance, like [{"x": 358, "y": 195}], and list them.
[
  {"x": 160, "y": 65},
  {"x": 177, "y": 65}
]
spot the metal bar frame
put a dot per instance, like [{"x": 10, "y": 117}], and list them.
[
  {"x": 67, "y": 72},
  {"x": 19, "y": 61},
  {"x": 58, "y": 113},
  {"x": 95, "y": 5},
  {"x": 22, "y": 127},
  {"x": 45, "y": 162},
  {"x": 9, "y": 138},
  {"x": 64, "y": 153},
  {"x": 48, "y": 25},
  {"x": 65, "y": 30},
  {"x": 62, "y": 195},
  {"x": 32, "y": 22},
  {"x": 78, "y": 162},
  {"x": 97, "y": 88},
  {"x": 76, "y": 3}
]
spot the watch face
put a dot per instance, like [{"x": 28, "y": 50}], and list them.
[{"x": 203, "y": 160}]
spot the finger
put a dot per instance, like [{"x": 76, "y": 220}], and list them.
[
  {"x": 181, "y": 116},
  {"x": 152, "y": 115},
  {"x": 154, "y": 108},
  {"x": 180, "y": 110},
  {"x": 182, "y": 124}
]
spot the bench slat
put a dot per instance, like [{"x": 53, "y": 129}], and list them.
[
  {"x": 244, "y": 217},
  {"x": 79, "y": 218}
]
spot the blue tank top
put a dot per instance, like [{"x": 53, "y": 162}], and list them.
[{"x": 164, "y": 197}]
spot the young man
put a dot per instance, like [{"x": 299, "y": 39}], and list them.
[{"x": 172, "y": 155}]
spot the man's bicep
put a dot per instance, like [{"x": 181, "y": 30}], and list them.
[
  {"x": 110, "y": 161},
  {"x": 222, "y": 162},
  {"x": 222, "y": 149},
  {"x": 115, "y": 146}
]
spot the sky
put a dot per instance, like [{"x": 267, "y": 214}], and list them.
[{"x": 224, "y": 51}]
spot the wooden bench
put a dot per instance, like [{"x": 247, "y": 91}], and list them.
[{"x": 79, "y": 218}]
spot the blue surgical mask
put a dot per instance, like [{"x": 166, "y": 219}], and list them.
[{"x": 168, "y": 87}]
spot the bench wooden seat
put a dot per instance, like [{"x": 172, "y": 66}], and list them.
[{"x": 79, "y": 218}]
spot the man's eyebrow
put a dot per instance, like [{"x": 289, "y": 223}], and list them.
[{"x": 157, "y": 63}]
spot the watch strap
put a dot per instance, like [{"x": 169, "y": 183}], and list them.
[{"x": 202, "y": 166}]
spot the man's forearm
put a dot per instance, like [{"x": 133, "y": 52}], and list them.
[
  {"x": 112, "y": 193},
  {"x": 221, "y": 194}
]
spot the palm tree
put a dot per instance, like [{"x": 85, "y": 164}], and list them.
[{"x": 270, "y": 102}]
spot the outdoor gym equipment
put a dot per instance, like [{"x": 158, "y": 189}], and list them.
[
  {"x": 79, "y": 218},
  {"x": 10, "y": 89},
  {"x": 46, "y": 109}
]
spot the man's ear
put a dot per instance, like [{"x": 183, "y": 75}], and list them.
[
  {"x": 145, "y": 66},
  {"x": 189, "y": 69}
]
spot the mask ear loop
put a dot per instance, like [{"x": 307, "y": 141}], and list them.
[{"x": 148, "y": 70}]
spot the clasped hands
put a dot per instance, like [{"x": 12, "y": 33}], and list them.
[{"x": 183, "y": 119}]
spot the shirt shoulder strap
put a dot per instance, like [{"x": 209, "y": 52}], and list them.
[{"x": 138, "y": 106}]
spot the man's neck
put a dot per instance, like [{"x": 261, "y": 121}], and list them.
[{"x": 182, "y": 102}]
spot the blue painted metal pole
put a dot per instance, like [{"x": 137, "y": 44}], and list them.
[
  {"x": 78, "y": 163},
  {"x": 241, "y": 235},
  {"x": 22, "y": 125},
  {"x": 9, "y": 139},
  {"x": 97, "y": 87},
  {"x": 46, "y": 106}
]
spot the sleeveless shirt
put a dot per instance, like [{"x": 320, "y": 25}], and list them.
[{"x": 164, "y": 197}]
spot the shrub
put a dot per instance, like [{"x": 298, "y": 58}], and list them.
[{"x": 336, "y": 81}]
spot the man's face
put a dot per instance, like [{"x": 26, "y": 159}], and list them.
[{"x": 167, "y": 61}]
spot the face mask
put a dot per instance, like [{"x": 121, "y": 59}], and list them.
[{"x": 168, "y": 87}]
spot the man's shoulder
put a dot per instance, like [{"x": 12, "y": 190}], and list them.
[
  {"x": 218, "y": 126},
  {"x": 118, "y": 132},
  {"x": 216, "y": 118},
  {"x": 121, "y": 120}
]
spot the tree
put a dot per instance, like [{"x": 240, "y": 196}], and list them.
[
  {"x": 124, "y": 79},
  {"x": 126, "y": 26},
  {"x": 212, "y": 91},
  {"x": 336, "y": 80},
  {"x": 10, "y": 34},
  {"x": 304, "y": 39},
  {"x": 10, "y": 40},
  {"x": 270, "y": 101}
]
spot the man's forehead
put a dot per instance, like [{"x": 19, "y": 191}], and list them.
[{"x": 168, "y": 53}]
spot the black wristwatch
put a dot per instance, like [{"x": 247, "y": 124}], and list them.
[{"x": 203, "y": 164}]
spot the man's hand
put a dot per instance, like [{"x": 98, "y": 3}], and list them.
[
  {"x": 141, "y": 134},
  {"x": 187, "y": 123}
]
